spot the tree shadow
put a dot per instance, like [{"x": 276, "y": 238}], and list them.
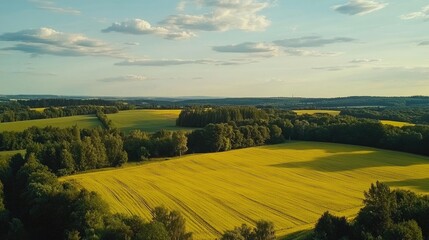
[
  {"x": 346, "y": 157},
  {"x": 421, "y": 184}
]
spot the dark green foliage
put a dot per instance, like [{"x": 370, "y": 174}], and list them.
[
  {"x": 232, "y": 235},
  {"x": 330, "y": 227},
  {"x": 38, "y": 206},
  {"x": 173, "y": 222},
  {"x": 376, "y": 215},
  {"x": 409, "y": 230},
  {"x": 106, "y": 122},
  {"x": 402, "y": 114},
  {"x": 263, "y": 230},
  {"x": 153, "y": 231},
  {"x": 389, "y": 215},
  {"x": 200, "y": 117}
]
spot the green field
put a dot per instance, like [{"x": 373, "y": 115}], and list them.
[
  {"x": 86, "y": 121},
  {"x": 396, "y": 123},
  {"x": 7, "y": 154},
  {"x": 331, "y": 112},
  {"x": 147, "y": 120},
  {"x": 290, "y": 184}
]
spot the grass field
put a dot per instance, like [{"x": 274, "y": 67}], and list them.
[
  {"x": 6, "y": 154},
  {"x": 148, "y": 120},
  {"x": 396, "y": 123},
  {"x": 290, "y": 184},
  {"x": 86, "y": 121},
  {"x": 302, "y": 112}
]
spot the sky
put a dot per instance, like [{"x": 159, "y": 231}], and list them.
[{"x": 220, "y": 48}]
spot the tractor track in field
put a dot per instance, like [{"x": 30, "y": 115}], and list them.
[
  {"x": 197, "y": 217},
  {"x": 220, "y": 202},
  {"x": 135, "y": 194},
  {"x": 278, "y": 212}
]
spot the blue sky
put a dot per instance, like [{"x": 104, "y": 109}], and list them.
[{"x": 231, "y": 48}]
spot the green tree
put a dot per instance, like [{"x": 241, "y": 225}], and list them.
[
  {"x": 153, "y": 231},
  {"x": 375, "y": 216},
  {"x": 232, "y": 235},
  {"x": 180, "y": 142},
  {"x": 264, "y": 230},
  {"x": 409, "y": 230},
  {"x": 173, "y": 222}
]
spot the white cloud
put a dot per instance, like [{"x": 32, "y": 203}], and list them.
[
  {"x": 160, "y": 62},
  {"x": 248, "y": 47},
  {"x": 311, "y": 41},
  {"x": 364, "y": 60},
  {"x": 175, "y": 62},
  {"x": 52, "y": 42},
  {"x": 224, "y": 15},
  {"x": 127, "y": 78},
  {"x": 336, "y": 68},
  {"x": 359, "y": 7},
  {"x": 423, "y": 13},
  {"x": 50, "y": 6},
  {"x": 140, "y": 27},
  {"x": 310, "y": 53},
  {"x": 132, "y": 43}
]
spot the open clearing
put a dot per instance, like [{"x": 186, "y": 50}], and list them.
[
  {"x": 331, "y": 112},
  {"x": 290, "y": 184},
  {"x": 396, "y": 123},
  {"x": 148, "y": 120},
  {"x": 84, "y": 121}
]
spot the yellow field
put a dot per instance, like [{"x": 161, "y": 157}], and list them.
[
  {"x": 331, "y": 112},
  {"x": 396, "y": 123},
  {"x": 38, "y": 109},
  {"x": 290, "y": 184}
]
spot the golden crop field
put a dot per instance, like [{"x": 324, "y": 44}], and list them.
[
  {"x": 38, "y": 109},
  {"x": 396, "y": 123},
  {"x": 148, "y": 120},
  {"x": 291, "y": 184},
  {"x": 331, "y": 112}
]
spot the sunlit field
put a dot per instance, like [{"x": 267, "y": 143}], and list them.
[
  {"x": 86, "y": 121},
  {"x": 147, "y": 120},
  {"x": 290, "y": 184},
  {"x": 396, "y": 123},
  {"x": 331, "y": 112}
]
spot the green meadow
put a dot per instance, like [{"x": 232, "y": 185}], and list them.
[
  {"x": 148, "y": 120},
  {"x": 85, "y": 121}
]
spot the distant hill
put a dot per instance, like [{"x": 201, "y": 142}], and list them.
[{"x": 282, "y": 102}]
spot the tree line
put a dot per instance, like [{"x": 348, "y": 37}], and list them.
[
  {"x": 419, "y": 115},
  {"x": 200, "y": 116},
  {"x": 35, "y": 205},
  {"x": 387, "y": 214},
  {"x": 12, "y": 112},
  {"x": 280, "y": 125}
]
